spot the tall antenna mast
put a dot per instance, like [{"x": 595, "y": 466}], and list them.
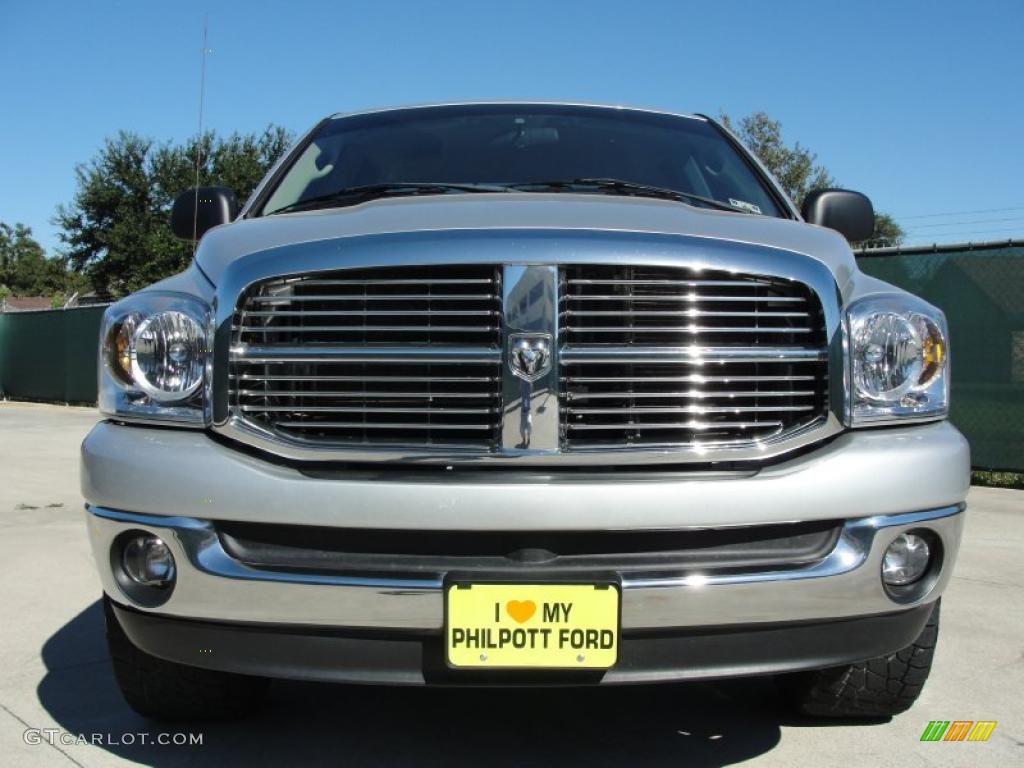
[{"x": 199, "y": 138}]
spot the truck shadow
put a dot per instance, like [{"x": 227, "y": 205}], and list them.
[{"x": 696, "y": 724}]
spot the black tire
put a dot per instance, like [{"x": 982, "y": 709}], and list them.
[
  {"x": 165, "y": 690},
  {"x": 879, "y": 687}
]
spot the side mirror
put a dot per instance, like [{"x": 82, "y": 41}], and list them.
[
  {"x": 848, "y": 213},
  {"x": 200, "y": 209}
]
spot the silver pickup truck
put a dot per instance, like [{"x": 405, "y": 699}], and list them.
[{"x": 522, "y": 394}]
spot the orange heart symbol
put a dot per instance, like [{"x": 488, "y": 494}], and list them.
[{"x": 521, "y": 610}]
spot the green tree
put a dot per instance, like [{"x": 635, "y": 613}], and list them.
[
  {"x": 797, "y": 169},
  {"x": 116, "y": 232},
  {"x": 887, "y": 232},
  {"x": 25, "y": 269}
]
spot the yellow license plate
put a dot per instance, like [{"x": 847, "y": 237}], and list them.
[{"x": 502, "y": 626}]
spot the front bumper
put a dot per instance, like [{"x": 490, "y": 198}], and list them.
[
  {"x": 677, "y": 624},
  {"x": 214, "y": 586},
  {"x": 415, "y": 658},
  {"x": 177, "y": 472}
]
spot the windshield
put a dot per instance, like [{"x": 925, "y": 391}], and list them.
[{"x": 505, "y": 147}]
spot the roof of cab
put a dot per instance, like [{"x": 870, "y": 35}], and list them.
[{"x": 585, "y": 105}]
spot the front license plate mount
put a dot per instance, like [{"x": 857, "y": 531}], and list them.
[{"x": 531, "y": 625}]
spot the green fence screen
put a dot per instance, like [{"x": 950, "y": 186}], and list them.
[
  {"x": 981, "y": 290},
  {"x": 50, "y": 355}
]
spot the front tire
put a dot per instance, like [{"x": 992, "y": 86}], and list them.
[
  {"x": 879, "y": 687},
  {"x": 164, "y": 690}
]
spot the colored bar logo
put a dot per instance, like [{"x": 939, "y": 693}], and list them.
[{"x": 958, "y": 730}]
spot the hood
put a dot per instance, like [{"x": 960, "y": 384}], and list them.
[{"x": 532, "y": 211}]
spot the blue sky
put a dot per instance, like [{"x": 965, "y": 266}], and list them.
[{"x": 918, "y": 104}]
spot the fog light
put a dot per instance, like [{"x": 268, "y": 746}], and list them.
[
  {"x": 906, "y": 560},
  {"x": 147, "y": 560}
]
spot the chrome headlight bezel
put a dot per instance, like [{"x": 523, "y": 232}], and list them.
[
  {"x": 124, "y": 392},
  {"x": 923, "y": 395}
]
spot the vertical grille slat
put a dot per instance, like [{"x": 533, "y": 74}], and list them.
[
  {"x": 406, "y": 356},
  {"x": 751, "y": 360}
]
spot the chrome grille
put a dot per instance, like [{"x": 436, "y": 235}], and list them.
[
  {"x": 391, "y": 355},
  {"x": 661, "y": 356}
]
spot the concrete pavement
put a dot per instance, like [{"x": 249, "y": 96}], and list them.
[{"x": 54, "y": 672}]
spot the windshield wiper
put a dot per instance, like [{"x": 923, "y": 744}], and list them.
[
  {"x": 359, "y": 194},
  {"x": 622, "y": 187}
]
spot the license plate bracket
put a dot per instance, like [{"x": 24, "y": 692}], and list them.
[{"x": 523, "y": 625}]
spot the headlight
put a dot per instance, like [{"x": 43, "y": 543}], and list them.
[
  {"x": 899, "y": 359},
  {"x": 167, "y": 357},
  {"x": 153, "y": 355}
]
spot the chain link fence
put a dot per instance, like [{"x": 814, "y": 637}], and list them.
[{"x": 980, "y": 287}]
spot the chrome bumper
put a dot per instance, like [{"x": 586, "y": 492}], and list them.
[
  {"x": 176, "y": 472},
  {"x": 212, "y": 585}
]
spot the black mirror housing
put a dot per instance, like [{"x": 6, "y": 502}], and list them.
[
  {"x": 848, "y": 213},
  {"x": 201, "y": 209}
]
